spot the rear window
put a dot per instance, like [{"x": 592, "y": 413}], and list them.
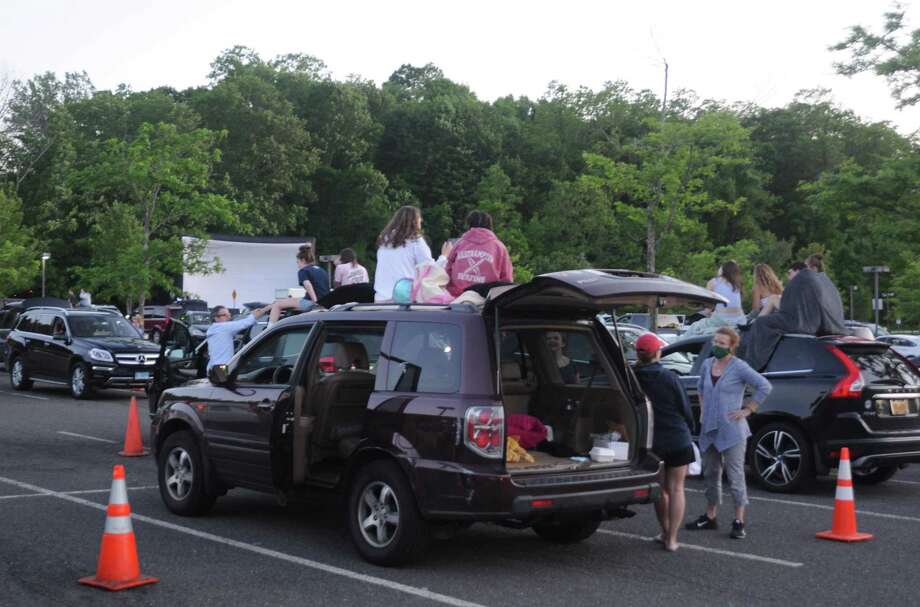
[
  {"x": 424, "y": 357},
  {"x": 884, "y": 367}
]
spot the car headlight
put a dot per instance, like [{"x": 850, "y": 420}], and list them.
[{"x": 101, "y": 355}]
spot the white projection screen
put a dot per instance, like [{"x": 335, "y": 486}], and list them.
[{"x": 253, "y": 267}]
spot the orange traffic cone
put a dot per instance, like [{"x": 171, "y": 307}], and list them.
[
  {"x": 844, "y": 529},
  {"x": 118, "y": 567},
  {"x": 134, "y": 445}
]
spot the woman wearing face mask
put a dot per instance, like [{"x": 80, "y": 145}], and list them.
[{"x": 724, "y": 427}]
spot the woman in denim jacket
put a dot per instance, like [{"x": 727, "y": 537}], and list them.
[{"x": 724, "y": 427}]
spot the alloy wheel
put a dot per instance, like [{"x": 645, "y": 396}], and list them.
[
  {"x": 378, "y": 514},
  {"x": 777, "y": 458},
  {"x": 16, "y": 373},
  {"x": 179, "y": 473},
  {"x": 78, "y": 380}
]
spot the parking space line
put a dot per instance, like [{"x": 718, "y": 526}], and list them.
[
  {"x": 81, "y": 492},
  {"x": 773, "y": 500},
  {"x": 290, "y": 558},
  {"x": 25, "y": 395},
  {"x": 900, "y": 482},
  {"x": 101, "y": 440},
  {"x": 739, "y": 555}
]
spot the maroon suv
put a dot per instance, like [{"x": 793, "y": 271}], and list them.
[{"x": 407, "y": 410}]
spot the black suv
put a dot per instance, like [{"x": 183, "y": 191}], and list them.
[
  {"x": 83, "y": 349},
  {"x": 828, "y": 393},
  {"x": 406, "y": 410}
]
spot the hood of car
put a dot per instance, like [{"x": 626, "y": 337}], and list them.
[
  {"x": 585, "y": 292},
  {"x": 121, "y": 344}
]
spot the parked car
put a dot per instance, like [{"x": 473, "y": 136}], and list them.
[
  {"x": 907, "y": 346},
  {"x": 828, "y": 393},
  {"x": 9, "y": 315},
  {"x": 866, "y": 330},
  {"x": 158, "y": 317},
  {"x": 402, "y": 409},
  {"x": 80, "y": 348}
]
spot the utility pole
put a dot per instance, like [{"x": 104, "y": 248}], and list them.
[
  {"x": 45, "y": 258},
  {"x": 852, "y": 288},
  {"x": 876, "y": 301},
  {"x": 651, "y": 235}
]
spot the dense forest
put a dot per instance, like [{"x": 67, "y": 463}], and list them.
[{"x": 108, "y": 181}]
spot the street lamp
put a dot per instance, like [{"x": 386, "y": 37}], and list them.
[
  {"x": 876, "y": 301},
  {"x": 45, "y": 257},
  {"x": 852, "y": 288}
]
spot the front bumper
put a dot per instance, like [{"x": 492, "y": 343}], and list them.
[{"x": 121, "y": 376}]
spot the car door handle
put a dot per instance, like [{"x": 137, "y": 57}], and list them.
[{"x": 266, "y": 405}]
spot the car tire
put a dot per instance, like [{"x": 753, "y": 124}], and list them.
[
  {"x": 569, "y": 532},
  {"x": 781, "y": 457},
  {"x": 383, "y": 518},
  {"x": 19, "y": 379},
  {"x": 181, "y": 476},
  {"x": 874, "y": 475},
  {"x": 78, "y": 381}
]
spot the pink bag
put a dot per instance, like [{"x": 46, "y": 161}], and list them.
[{"x": 430, "y": 285}]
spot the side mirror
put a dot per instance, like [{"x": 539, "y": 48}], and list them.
[
  {"x": 219, "y": 375},
  {"x": 60, "y": 337}
]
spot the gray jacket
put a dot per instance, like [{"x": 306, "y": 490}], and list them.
[{"x": 725, "y": 396}]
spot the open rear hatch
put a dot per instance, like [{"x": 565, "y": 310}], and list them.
[{"x": 589, "y": 391}]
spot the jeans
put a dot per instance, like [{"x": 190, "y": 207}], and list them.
[{"x": 733, "y": 461}]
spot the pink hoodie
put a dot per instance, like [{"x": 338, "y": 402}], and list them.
[{"x": 478, "y": 257}]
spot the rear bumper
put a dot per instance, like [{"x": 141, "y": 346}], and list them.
[
  {"x": 450, "y": 492},
  {"x": 867, "y": 452}
]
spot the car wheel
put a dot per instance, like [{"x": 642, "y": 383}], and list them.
[
  {"x": 874, "y": 475},
  {"x": 180, "y": 474},
  {"x": 19, "y": 379},
  {"x": 569, "y": 532},
  {"x": 781, "y": 457},
  {"x": 383, "y": 519},
  {"x": 79, "y": 382}
]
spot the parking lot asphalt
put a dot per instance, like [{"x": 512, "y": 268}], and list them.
[{"x": 56, "y": 457}]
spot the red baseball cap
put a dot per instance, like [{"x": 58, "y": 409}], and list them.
[{"x": 649, "y": 342}]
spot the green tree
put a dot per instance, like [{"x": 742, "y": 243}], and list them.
[
  {"x": 18, "y": 257},
  {"x": 154, "y": 189}
]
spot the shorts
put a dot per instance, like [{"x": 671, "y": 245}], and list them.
[
  {"x": 305, "y": 304},
  {"x": 678, "y": 457}
]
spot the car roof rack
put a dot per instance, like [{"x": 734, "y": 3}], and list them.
[{"x": 411, "y": 307}]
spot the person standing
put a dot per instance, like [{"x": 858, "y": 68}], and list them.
[
  {"x": 220, "y": 333},
  {"x": 479, "y": 257},
  {"x": 312, "y": 277},
  {"x": 671, "y": 439},
  {"x": 348, "y": 271},
  {"x": 400, "y": 248},
  {"x": 725, "y": 430},
  {"x": 86, "y": 299}
]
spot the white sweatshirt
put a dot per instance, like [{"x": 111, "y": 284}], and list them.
[{"x": 394, "y": 264}]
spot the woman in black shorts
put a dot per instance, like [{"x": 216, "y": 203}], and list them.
[{"x": 671, "y": 440}]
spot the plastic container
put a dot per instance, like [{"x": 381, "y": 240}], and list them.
[{"x": 602, "y": 455}]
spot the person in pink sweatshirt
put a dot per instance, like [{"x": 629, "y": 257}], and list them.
[{"x": 479, "y": 257}]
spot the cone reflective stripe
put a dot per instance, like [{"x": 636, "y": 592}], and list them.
[
  {"x": 118, "y": 567},
  {"x": 844, "y": 528},
  {"x": 134, "y": 445}
]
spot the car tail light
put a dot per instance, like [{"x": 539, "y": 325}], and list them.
[
  {"x": 852, "y": 384},
  {"x": 484, "y": 432},
  {"x": 541, "y": 504},
  {"x": 641, "y": 493}
]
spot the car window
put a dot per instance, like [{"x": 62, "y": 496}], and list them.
[
  {"x": 884, "y": 367},
  {"x": 424, "y": 357},
  {"x": 514, "y": 352},
  {"x": 42, "y": 323},
  {"x": 792, "y": 354},
  {"x": 58, "y": 327},
  {"x": 350, "y": 348},
  {"x": 25, "y": 322},
  {"x": 107, "y": 325},
  {"x": 272, "y": 361},
  {"x": 681, "y": 358}
]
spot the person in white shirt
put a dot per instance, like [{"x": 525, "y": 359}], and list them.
[
  {"x": 220, "y": 333},
  {"x": 348, "y": 271},
  {"x": 401, "y": 248}
]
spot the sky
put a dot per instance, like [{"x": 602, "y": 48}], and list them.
[{"x": 761, "y": 52}]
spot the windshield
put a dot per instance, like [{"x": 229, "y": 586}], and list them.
[
  {"x": 101, "y": 326},
  {"x": 198, "y": 318}
]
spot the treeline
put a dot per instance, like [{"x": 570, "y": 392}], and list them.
[{"x": 108, "y": 181}]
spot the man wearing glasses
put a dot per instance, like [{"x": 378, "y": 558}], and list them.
[{"x": 220, "y": 333}]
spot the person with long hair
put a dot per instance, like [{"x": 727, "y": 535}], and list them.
[
  {"x": 728, "y": 284},
  {"x": 311, "y": 276},
  {"x": 348, "y": 271},
  {"x": 479, "y": 257},
  {"x": 556, "y": 343},
  {"x": 767, "y": 290},
  {"x": 671, "y": 439},
  {"x": 724, "y": 428},
  {"x": 400, "y": 248}
]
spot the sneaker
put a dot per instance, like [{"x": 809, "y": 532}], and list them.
[
  {"x": 738, "y": 530},
  {"x": 704, "y": 522}
]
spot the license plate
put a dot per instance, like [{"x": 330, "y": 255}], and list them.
[
  {"x": 146, "y": 375},
  {"x": 900, "y": 407}
]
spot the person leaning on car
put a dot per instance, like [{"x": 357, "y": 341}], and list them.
[{"x": 220, "y": 333}]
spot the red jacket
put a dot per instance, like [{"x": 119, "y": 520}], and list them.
[{"x": 477, "y": 258}]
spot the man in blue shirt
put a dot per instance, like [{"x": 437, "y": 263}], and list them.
[{"x": 220, "y": 333}]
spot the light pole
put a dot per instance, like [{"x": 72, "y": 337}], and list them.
[
  {"x": 852, "y": 288},
  {"x": 876, "y": 302},
  {"x": 45, "y": 258}
]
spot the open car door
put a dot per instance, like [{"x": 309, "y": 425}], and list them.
[{"x": 177, "y": 364}]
